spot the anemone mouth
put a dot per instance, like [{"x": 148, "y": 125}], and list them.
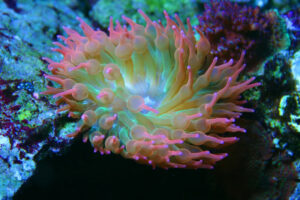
[
  {"x": 142, "y": 88},
  {"x": 137, "y": 92}
]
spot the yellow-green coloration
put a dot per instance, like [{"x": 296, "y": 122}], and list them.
[
  {"x": 282, "y": 104},
  {"x": 294, "y": 113},
  {"x": 26, "y": 111},
  {"x": 293, "y": 123},
  {"x": 252, "y": 95},
  {"x": 24, "y": 114},
  {"x": 274, "y": 123}
]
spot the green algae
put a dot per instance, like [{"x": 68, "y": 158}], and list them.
[{"x": 104, "y": 9}]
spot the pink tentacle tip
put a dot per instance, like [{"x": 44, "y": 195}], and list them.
[
  {"x": 135, "y": 157},
  {"x": 55, "y": 96},
  {"x": 84, "y": 117},
  {"x": 228, "y": 120},
  {"x": 79, "y": 19},
  {"x": 221, "y": 142},
  {"x": 84, "y": 139},
  {"x": 71, "y": 69},
  {"x": 48, "y": 60},
  {"x": 108, "y": 70},
  {"x": 59, "y": 36},
  {"x": 102, "y": 94},
  {"x": 225, "y": 155}
]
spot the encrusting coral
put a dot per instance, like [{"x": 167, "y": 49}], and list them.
[{"x": 137, "y": 92}]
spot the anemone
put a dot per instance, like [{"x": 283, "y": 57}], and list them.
[{"x": 137, "y": 92}]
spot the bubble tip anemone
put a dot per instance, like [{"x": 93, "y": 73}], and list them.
[{"x": 137, "y": 92}]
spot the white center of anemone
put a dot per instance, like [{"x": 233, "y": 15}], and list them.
[{"x": 141, "y": 87}]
